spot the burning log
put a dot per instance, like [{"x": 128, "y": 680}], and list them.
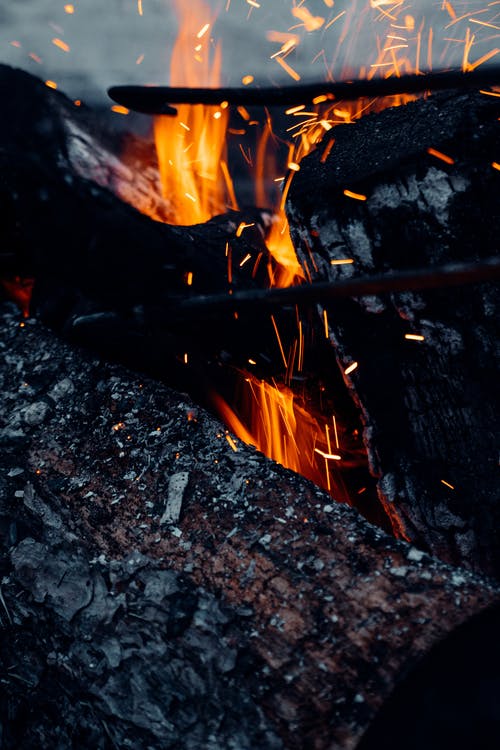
[
  {"x": 163, "y": 584},
  {"x": 412, "y": 187},
  {"x": 105, "y": 274}
]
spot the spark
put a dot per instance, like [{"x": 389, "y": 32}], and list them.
[
  {"x": 334, "y": 20},
  {"x": 332, "y": 456},
  {"x": 51, "y": 84},
  {"x": 247, "y": 80},
  {"x": 203, "y": 31},
  {"x": 186, "y": 359},
  {"x": 191, "y": 197},
  {"x": 294, "y": 166},
  {"x": 351, "y": 368},
  {"x": 483, "y": 59},
  {"x": 139, "y": 59},
  {"x": 245, "y": 260},
  {"x": 77, "y": 102},
  {"x": 242, "y": 228},
  {"x": 484, "y": 23},
  {"x": 253, "y": 3},
  {"x": 285, "y": 48},
  {"x": 291, "y": 72},
  {"x": 232, "y": 443},
  {"x": 326, "y": 152},
  {"x": 440, "y": 155},
  {"x": 119, "y": 109},
  {"x": 189, "y": 278},
  {"x": 252, "y": 362},
  {"x": 36, "y": 58},
  {"x": 337, "y": 445},
  {"x": 279, "y": 342},
  {"x": 447, "y": 484},
  {"x": 62, "y": 45},
  {"x": 414, "y": 337},
  {"x": 325, "y": 321},
  {"x": 342, "y": 262},
  {"x": 69, "y": 9},
  {"x": 311, "y": 23},
  {"x": 139, "y": 7},
  {"x": 119, "y": 426},
  {"x": 15, "y": 44},
  {"x": 244, "y": 113},
  {"x": 355, "y": 196},
  {"x": 489, "y": 93},
  {"x": 495, "y": 165},
  {"x": 293, "y": 110}
]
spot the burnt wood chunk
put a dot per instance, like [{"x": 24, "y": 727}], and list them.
[
  {"x": 422, "y": 189},
  {"x": 106, "y": 274},
  {"x": 160, "y": 589}
]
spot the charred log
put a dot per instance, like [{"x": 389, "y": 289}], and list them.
[
  {"x": 251, "y": 613},
  {"x": 412, "y": 187},
  {"x": 105, "y": 274}
]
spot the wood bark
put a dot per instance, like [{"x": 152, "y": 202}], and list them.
[
  {"x": 425, "y": 192},
  {"x": 160, "y": 589}
]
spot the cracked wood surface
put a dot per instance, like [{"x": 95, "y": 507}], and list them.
[
  {"x": 266, "y": 616},
  {"x": 430, "y": 407}
]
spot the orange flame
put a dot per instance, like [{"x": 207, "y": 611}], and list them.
[
  {"x": 191, "y": 147},
  {"x": 278, "y": 426}
]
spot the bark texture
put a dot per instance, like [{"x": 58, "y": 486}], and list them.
[
  {"x": 430, "y": 408},
  {"x": 161, "y": 589}
]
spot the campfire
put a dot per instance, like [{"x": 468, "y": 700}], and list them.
[{"x": 314, "y": 265}]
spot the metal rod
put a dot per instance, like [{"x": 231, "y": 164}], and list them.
[
  {"x": 452, "y": 274},
  {"x": 157, "y": 99}
]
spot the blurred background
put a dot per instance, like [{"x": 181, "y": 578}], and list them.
[{"x": 88, "y": 45}]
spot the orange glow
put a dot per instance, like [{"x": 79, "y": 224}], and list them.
[
  {"x": 51, "y": 84},
  {"x": 19, "y": 290},
  {"x": 120, "y": 110}
]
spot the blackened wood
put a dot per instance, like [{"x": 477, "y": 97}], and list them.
[
  {"x": 430, "y": 408},
  {"x": 104, "y": 271},
  {"x": 264, "y": 617},
  {"x": 156, "y": 99}
]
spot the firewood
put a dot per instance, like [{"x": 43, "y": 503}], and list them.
[
  {"x": 416, "y": 186},
  {"x": 257, "y": 615}
]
